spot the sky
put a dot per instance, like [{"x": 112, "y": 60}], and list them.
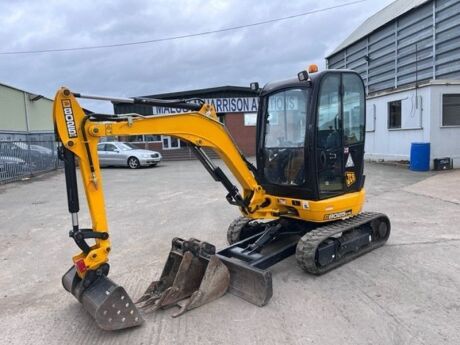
[{"x": 264, "y": 53}]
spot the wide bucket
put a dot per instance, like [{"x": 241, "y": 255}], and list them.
[
  {"x": 192, "y": 271},
  {"x": 108, "y": 303}
]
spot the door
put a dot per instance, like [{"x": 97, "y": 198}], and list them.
[
  {"x": 354, "y": 117},
  {"x": 113, "y": 155},
  {"x": 102, "y": 154},
  {"x": 170, "y": 143},
  {"x": 329, "y": 137}
]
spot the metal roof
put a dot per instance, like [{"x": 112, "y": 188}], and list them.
[
  {"x": 200, "y": 92},
  {"x": 25, "y": 91},
  {"x": 382, "y": 17}
]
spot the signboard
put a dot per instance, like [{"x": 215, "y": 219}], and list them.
[
  {"x": 283, "y": 102},
  {"x": 222, "y": 105}
]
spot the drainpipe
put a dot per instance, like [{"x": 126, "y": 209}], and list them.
[{"x": 26, "y": 114}]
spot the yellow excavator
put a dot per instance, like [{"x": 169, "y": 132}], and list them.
[{"x": 304, "y": 196}]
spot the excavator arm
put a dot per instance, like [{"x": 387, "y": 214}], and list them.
[
  {"x": 80, "y": 133},
  {"x": 190, "y": 262}
]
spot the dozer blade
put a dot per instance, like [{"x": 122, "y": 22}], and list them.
[
  {"x": 107, "y": 302},
  {"x": 247, "y": 282},
  {"x": 191, "y": 270}
]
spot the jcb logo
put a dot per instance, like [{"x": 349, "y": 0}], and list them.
[
  {"x": 350, "y": 178},
  {"x": 69, "y": 119}
]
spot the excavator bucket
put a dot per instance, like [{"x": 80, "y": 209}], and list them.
[
  {"x": 107, "y": 302},
  {"x": 192, "y": 269},
  {"x": 157, "y": 288},
  {"x": 215, "y": 284}
]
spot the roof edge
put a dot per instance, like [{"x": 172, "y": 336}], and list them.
[
  {"x": 198, "y": 91},
  {"x": 341, "y": 46}
]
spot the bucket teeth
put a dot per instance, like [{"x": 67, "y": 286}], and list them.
[{"x": 193, "y": 270}]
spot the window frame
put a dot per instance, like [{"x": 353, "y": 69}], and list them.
[
  {"x": 348, "y": 119},
  {"x": 389, "y": 115},
  {"x": 113, "y": 145},
  {"x": 275, "y": 120},
  {"x": 442, "y": 110},
  {"x": 247, "y": 123},
  {"x": 146, "y": 141}
]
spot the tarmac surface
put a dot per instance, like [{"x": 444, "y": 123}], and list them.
[{"x": 407, "y": 292}]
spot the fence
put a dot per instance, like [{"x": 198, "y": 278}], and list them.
[{"x": 26, "y": 158}]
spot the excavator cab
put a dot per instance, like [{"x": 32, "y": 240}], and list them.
[{"x": 310, "y": 138}]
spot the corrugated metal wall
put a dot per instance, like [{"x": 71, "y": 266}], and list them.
[{"x": 423, "y": 44}]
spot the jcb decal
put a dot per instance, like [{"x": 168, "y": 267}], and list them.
[
  {"x": 350, "y": 178},
  {"x": 69, "y": 119},
  {"x": 338, "y": 215}
]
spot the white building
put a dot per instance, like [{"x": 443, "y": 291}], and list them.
[{"x": 409, "y": 57}]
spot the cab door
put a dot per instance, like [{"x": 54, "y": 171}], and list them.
[
  {"x": 329, "y": 137},
  {"x": 340, "y": 134}
]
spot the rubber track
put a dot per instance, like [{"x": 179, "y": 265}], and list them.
[
  {"x": 308, "y": 244},
  {"x": 234, "y": 229}
]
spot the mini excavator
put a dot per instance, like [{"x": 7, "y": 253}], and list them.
[{"x": 303, "y": 197}]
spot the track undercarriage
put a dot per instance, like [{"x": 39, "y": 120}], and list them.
[
  {"x": 318, "y": 248},
  {"x": 255, "y": 247}
]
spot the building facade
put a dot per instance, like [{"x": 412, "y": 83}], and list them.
[
  {"x": 27, "y": 143},
  {"x": 24, "y": 114},
  {"x": 236, "y": 107},
  {"x": 408, "y": 55}
]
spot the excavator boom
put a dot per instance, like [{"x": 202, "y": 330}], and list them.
[{"x": 192, "y": 267}]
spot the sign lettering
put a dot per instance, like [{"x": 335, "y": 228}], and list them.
[
  {"x": 222, "y": 105},
  {"x": 69, "y": 119}
]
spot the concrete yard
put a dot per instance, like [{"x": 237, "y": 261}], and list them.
[{"x": 407, "y": 292}]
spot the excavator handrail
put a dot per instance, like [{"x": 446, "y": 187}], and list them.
[{"x": 177, "y": 103}]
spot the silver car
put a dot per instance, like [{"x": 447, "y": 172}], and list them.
[{"x": 126, "y": 154}]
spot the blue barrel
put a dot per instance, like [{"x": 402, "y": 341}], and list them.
[{"x": 420, "y": 157}]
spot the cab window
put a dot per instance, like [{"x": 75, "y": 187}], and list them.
[
  {"x": 353, "y": 109},
  {"x": 285, "y": 123}
]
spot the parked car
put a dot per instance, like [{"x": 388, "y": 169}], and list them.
[
  {"x": 35, "y": 157},
  {"x": 38, "y": 148},
  {"x": 126, "y": 154},
  {"x": 11, "y": 167}
]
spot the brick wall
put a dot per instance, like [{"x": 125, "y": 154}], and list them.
[{"x": 244, "y": 136}]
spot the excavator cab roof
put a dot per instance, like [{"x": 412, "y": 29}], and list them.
[{"x": 295, "y": 82}]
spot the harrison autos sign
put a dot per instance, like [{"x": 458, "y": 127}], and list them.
[{"x": 222, "y": 105}]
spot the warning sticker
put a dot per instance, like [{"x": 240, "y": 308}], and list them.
[{"x": 350, "y": 163}]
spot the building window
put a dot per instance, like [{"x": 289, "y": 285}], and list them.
[
  {"x": 145, "y": 138},
  {"x": 170, "y": 143},
  {"x": 451, "y": 110},
  {"x": 394, "y": 114},
  {"x": 250, "y": 119}
]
